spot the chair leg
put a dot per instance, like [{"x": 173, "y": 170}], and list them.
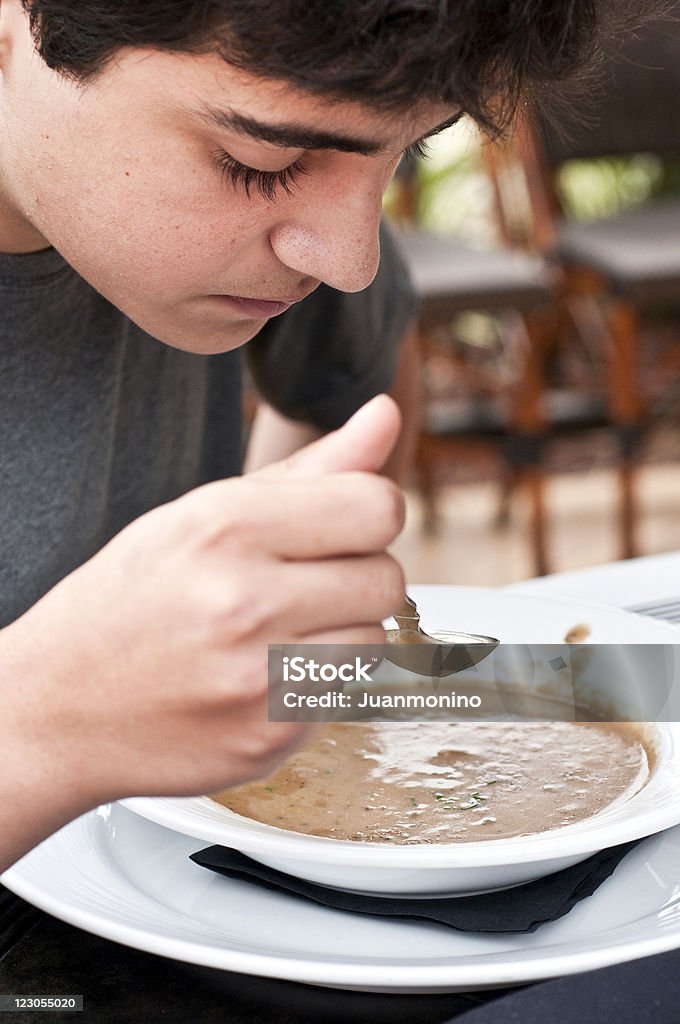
[
  {"x": 529, "y": 424},
  {"x": 627, "y": 508},
  {"x": 507, "y": 487},
  {"x": 626, "y": 408},
  {"x": 535, "y": 483},
  {"x": 427, "y": 488},
  {"x": 525, "y": 451}
]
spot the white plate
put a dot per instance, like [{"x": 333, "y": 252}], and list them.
[
  {"x": 127, "y": 879},
  {"x": 120, "y": 876},
  {"x": 522, "y": 618}
]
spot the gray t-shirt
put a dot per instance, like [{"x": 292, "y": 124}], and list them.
[{"x": 100, "y": 422}]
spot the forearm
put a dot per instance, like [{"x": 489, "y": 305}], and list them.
[
  {"x": 96, "y": 705},
  {"x": 274, "y": 436},
  {"x": 39, "y": 792}
]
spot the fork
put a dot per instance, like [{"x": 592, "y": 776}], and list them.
[{"x": 668, "y": 609}]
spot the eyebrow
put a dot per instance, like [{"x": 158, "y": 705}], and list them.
[{"x": 297, "y": 136}]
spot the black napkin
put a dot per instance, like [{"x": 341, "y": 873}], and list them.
[{"x": 520, "y": 909}]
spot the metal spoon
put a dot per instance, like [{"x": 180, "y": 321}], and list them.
[{"x": 410, "y": 647}]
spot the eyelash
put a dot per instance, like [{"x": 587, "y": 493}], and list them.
[
  {"x": 417, "y": 150},
  {"x": 267, "y": 182}
]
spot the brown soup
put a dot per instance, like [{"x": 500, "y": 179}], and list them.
[{"x": 442, "y": 782}]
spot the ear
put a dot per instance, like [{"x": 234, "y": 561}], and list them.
[
  {"x": 3, "y": 33},
  {"x": 13, "y": 23}
]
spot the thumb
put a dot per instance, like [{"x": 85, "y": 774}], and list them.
[{"x": 363, "y": 443}]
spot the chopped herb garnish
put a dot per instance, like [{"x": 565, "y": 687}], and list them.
[
  {"x": 447, "y": 801},
  {"x": 269, "y": 789},
  {"x": 475, "y": 800}
]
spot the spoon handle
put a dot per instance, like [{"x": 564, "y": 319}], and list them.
[{"x": 407, "y": 616}]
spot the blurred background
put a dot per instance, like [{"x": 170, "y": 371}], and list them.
[{"x": 548, "y": 265}]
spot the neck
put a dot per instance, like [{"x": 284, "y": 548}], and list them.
[{"x": 17, "y": 234}]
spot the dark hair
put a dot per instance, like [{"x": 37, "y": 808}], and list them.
[{"x": 484, "y": 56}]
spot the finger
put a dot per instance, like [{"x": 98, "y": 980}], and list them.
[
  {"x": 298, "y": 600},
  {"x": 335, "y": 515},
  {"x": 289, "y": 603},
  {"x": 363, "y": 443},
  {"x": 339, "y": 593},
  {"x": 369, "y": 633},
  {"x": 278, "y": 739}
]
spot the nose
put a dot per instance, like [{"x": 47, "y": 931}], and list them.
[{"x": 334, "y": 240}]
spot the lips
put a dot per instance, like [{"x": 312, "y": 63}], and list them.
[
  {"x": 262, "y": 309},
  {"x": 258, "y": 309}
]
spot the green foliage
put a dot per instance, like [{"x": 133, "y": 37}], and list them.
[{"x": 454, "y": 194}]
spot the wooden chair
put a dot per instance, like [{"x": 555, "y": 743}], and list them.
[
  {"x": 623, "y": 265},
  {"x": 451, "y": 277}
]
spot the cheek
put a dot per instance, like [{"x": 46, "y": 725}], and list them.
[
  {"x": 114, "y": 218},
  {"x": 114, "y": 193},
  {"x": 146, "y": 221}
]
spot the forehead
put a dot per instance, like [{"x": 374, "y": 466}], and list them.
[{"x": 203, "y": 86}]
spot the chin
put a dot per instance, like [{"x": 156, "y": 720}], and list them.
[{"x": 203, "y": 339}]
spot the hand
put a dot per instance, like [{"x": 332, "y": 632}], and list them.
[{"x": 145, "y": 670}]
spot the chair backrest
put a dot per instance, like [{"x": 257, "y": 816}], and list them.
[{"x": 636, "y": 106}]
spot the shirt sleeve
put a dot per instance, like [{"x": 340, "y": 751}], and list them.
[{"x": 327, "y": 355}]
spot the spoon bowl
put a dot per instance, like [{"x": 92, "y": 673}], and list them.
[{"x": 411, "y": 648}]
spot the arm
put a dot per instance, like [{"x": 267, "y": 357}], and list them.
[
  {"x": 275, "y": 436},
  {"x": 144, "y": 672},
  {"x": 40, "y": 790}
]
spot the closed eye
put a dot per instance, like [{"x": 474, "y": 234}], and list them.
[
  {"x": 418, "y": 149},
  {"x": 266, "y": 182}
]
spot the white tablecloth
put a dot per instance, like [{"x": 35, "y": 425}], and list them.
[{"x": 626, "y": 584}]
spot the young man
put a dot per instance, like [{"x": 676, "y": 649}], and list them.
[{"x": 174, "y": 176}]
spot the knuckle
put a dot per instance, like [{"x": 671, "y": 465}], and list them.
[
  {"x": 394, "y": 582},
  {"x": 374, "y": 503},
  {"x": 223, "y": 514},
  {"x": 244, "y": 606},
  {"x": 397, "y": 510},
  {"x": 386, "y": 584},
  {"x": 270, "y": 742},
  {"x": 389, "y": 510},
  {"x": 247, "y": 682},
  {"x": 195, "y": 507},
  {"x": 244, "y": 618},
  {"x": 374, "y": 635}
]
